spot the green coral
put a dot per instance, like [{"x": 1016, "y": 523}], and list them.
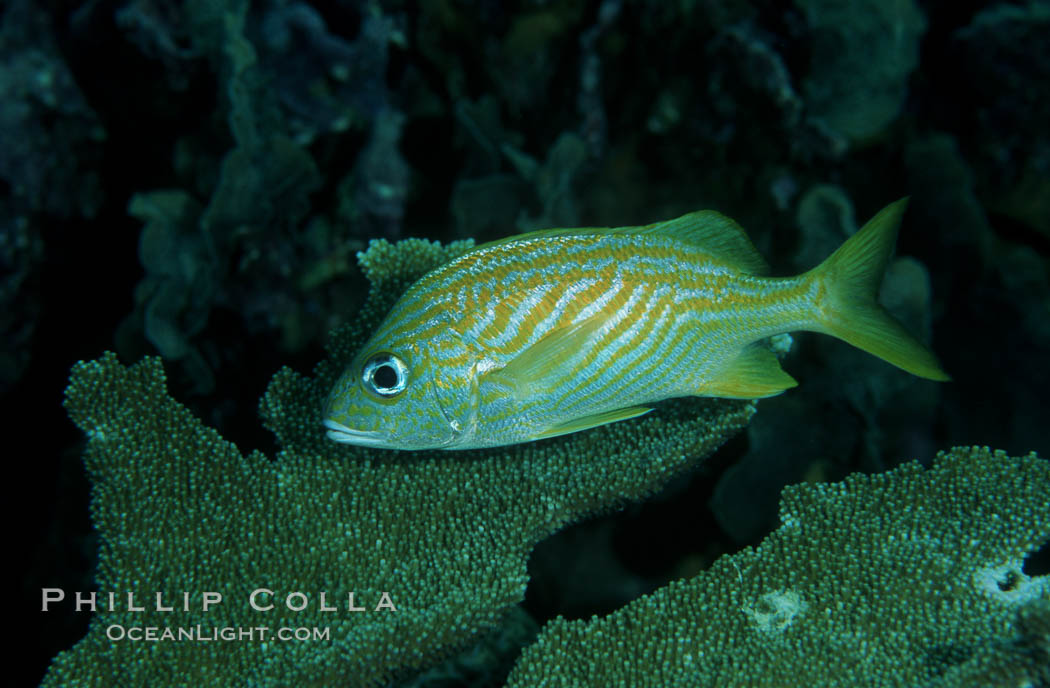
[
  {"x": 907, "y": 578},
  {"x": 447, "y": 534}
]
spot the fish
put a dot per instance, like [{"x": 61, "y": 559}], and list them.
[{"x": 563, "y": 330}]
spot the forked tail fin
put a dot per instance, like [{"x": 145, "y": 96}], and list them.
[{"x": 849, "y": 310}]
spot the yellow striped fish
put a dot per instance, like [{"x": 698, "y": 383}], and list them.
[{"x": 557, "y": 331}]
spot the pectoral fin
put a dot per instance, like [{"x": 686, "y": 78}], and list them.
[
  {"x": 755, "y": 373},
  {"x": 708, "y": 229},
  {"x": 538, "y": 368},
  {"x": 594, "y": 421}
]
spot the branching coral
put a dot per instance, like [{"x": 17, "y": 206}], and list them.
[
  {"x": 447, "y": 535},
  {"x": 907, "y": 578}
]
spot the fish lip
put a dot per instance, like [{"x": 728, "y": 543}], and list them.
[{"x": 338, "y": 432}]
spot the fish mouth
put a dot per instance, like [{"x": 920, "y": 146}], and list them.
[{"x": 338, "y": 432}]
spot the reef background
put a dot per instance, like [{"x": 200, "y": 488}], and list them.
[{"x": 172, "y": 186}]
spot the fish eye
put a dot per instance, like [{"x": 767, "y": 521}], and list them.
[{"x": 385, "y": 374}]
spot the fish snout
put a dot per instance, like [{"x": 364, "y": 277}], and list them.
[{"x": 338, "y": 432}]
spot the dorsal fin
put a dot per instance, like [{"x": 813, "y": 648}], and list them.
[
  {"x": 548, "y": 233},
  {"x": 716, "y": 234},
  {"x": 709, "y": 230}
]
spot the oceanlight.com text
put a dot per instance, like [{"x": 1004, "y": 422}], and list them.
[{"x": 201, "y": 633}]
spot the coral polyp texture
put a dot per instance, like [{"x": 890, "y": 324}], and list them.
[
  {"x": 445, "y": 535},
  {"x": 912, "y": 577}
]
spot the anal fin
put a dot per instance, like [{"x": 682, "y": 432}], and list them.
[{"x": 755, "y": 373}]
